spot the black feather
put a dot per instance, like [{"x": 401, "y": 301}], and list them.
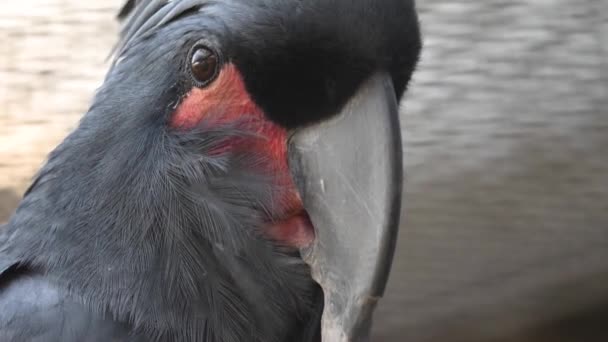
[
  {"x": 126, "y": 9},
  {"x": 301, "y": 60},
  {"x": 35, "y": 310}
]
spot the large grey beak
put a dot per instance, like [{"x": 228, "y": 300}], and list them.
[{"x": 349, "y": 173}]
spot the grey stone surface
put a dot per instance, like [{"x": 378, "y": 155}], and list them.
[{"x": 506, "y": 218}]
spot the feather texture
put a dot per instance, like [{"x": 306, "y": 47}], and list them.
[
  {"x": 187, "y": 236},
  {"x": 147, "y": 226}
]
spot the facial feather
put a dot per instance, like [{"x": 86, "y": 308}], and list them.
[{"x": 155, "y": 209}]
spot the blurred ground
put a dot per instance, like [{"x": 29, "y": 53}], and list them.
[{"x": 505, "y": 236}]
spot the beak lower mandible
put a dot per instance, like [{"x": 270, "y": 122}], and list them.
[{"x": 349, "y": 172}]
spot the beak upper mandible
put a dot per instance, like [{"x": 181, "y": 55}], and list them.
[{"x": 349, "y": 172}]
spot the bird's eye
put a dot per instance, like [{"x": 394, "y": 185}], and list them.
[{"x": 204, "y": 65}]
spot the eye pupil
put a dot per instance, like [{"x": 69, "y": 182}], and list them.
[{"x": 204, "y": 65}]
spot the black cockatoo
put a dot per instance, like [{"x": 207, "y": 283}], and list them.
[{"x": 182, "y": 207}]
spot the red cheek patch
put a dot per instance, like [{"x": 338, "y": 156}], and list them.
[{"x": 226, "y": 100}]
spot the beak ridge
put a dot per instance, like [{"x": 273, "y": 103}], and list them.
[{"x": 349, "y": 172}]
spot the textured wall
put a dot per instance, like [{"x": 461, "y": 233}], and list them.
[
  {"x": 52, "y": 55},
  {"x": 506, "y": 220},
  {"x": 506, "y": 127}
]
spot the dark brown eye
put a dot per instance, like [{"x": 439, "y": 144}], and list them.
[{"x": 203, "y": 66}]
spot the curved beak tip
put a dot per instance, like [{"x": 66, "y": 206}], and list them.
[{"x": 349, "y": 173}]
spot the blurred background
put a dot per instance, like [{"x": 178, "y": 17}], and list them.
[{"x": 505, "y": 232}]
